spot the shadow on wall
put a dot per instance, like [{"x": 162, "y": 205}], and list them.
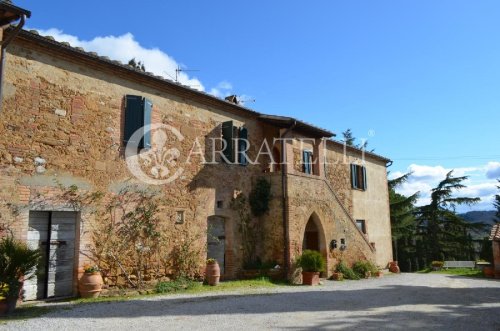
[{"x": 387, "y": 307}]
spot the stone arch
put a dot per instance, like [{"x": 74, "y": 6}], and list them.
[{"x": 314, "y": 236}]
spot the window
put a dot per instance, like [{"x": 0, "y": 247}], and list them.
[
  {"x": 230, "y": 134},
  {"x": 220, "y": 204},
  {"x": 358, "y": 177},
  {"x": 361, "y": 225},
  {"x": 307, "y": 162},
  {"x": 137, "y": 115}
]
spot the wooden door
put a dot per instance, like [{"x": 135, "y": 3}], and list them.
[
  {"x": 54, "y": 234},
  {"x": 216, "y": 238}
]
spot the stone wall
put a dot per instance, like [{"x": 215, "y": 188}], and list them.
[
  {"x": 309, "y": 196},
  {"x": 62, "y": 125},
  {"x": 370, "y": 205}
]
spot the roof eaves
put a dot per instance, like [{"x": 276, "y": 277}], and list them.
[
  {"x": 286, "y": 121},
  {"x": 4, "y": 5},
  {"x": 50, "y": 41},
  {"x": 495, "y": 232},
  {"x": 359, "y": 150}
]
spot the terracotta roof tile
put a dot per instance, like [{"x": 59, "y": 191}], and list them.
[{"x": 495, "y": 232}]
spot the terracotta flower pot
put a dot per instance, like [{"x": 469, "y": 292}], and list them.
[
  {"x": 8, "y": 305},
  {"x": 310, "y": 278},
  {"x": 337, "y": 276},
  {"x": 393, "y": 267},
  {"x": 213, "y": 274},
  {"x": 90, "y": 285},
  {"x": 488, "y": 272},
  {"x": 379, "y": 274},
  {"x": 4, "y": 307}
]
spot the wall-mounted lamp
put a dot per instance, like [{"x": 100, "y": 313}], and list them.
[{"x": 343, "y": 244}]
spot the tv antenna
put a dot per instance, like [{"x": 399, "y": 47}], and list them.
[
  {"x": 243, "y": 101},
  {"x": 179, "y": 70}
]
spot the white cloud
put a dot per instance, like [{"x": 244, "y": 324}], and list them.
[
  {"x": 425, "y": 178},
  {"x": 125, "y": 47},
  {"x": 493, "y": 170},
  {"x": 223, "y": 89}
]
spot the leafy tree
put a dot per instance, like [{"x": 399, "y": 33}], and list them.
[
  {"x": 138, "y": 65},
  {"x": 348, "y": 137},
  {"x": 444, "y": 234},
  {"x": 350, "y": 140},
  {"x": 402, "y": 210}
]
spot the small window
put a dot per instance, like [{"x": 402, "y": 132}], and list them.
[
  {"x": 358, "y": 177},
  {"x": 361, "y": 225},
  {"x": 179, "y": 217},
  {"x": 220, "y": 204},
  {"x": 307, "y": 162},
  {"x": 230, "y": 135}
]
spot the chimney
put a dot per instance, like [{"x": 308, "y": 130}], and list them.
[{"x": 233, "y": 99}]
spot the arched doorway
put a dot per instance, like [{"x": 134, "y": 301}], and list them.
[
  {"x": 311, "y": 236},
  {"x": 314, "y": 238}
]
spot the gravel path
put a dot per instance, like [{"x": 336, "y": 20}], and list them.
[{"x": 407, "y": 301}]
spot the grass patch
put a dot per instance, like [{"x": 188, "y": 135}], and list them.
[
  {"x": 25, "y": 312},
  {"x": 244, "y": 285},
  {"x": 186, "y": 287},
  {"x": 466, "y": 272}
]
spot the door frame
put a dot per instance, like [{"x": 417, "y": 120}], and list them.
[{"x": 76, "y": 253}]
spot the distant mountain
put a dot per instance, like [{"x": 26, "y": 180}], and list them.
[
  {"x": 476, "y": 216},
  {"x": 480, "y": 216}
]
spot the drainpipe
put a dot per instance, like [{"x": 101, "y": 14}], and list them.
[
  {"x": 284, "y": 188},
  {"x": 4, "y": 45}
]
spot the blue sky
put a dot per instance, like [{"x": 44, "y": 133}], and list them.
[{"x": 424, "y": 76}]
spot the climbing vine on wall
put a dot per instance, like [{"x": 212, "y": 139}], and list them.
[{"x": 260, "y": 196}]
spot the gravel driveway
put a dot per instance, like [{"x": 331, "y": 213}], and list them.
[{"x": 406, "y": 301}]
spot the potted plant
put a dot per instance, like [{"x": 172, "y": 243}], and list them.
[
  {"x": 336, "y": 275},
  {"x": 312, "y": 263},
  {"x": 489, "y": 272},
  {"x": 364, "y": 269},
  {"x": 90, "y": 284},
  {"x": 379, "y": 273},
  {"x": 393, "y": 267},
  {"x": 437, "y": 265},
  {"x": 17, "y": 263},
  {"x": 212, "y": 272}
]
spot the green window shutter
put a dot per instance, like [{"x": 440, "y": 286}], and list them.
[
  {"x": 354, "y": 176},
  {"x": 148, "y": 109},
  {"x": 363, "y": 169},
  {"x": 133, "y": 117},
  {"x": 306, "y": 157},
  {"x": 227, "y": 136},
  {"x": 242, "y": 146}
]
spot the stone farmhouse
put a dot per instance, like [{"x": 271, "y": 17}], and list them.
[{"x": 68, "y": 118}]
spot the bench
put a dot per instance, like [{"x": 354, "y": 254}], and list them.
[{"x": 459, "y": 264}]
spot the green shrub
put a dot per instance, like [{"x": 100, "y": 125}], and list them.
[
  {"x": 17, "y": 260},
  {"x": 311, "y": 261},
  {"x": 346, "y": 271},
  {"x": 362, "y": 267},
  {"x": 180, "y": 284},
  {"x": 259, "y": 197}
]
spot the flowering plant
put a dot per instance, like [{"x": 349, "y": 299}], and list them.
[
  {"x": 90, "y": 269},
  {"x": 211, "y": 261}
]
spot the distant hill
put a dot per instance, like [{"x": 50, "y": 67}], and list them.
[
  {"x": 480, "y": 216},
  {"x": 475, "y": 216}
]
